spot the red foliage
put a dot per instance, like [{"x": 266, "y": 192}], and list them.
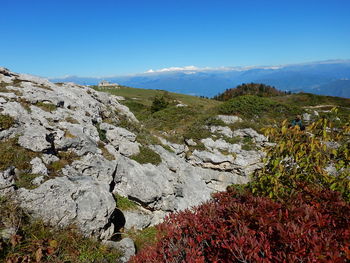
[{"x": 313, "y": 227}]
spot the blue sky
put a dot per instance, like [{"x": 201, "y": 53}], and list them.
[{"x": 100, "y": 38}]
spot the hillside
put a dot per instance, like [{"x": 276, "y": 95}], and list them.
[{"x": 104, "y": 167}]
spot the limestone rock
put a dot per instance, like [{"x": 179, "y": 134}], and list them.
[
  {"x": 249, "y": 132},
  {"x": 226, "y": 131},
  {"x": 65, "y": 201},
  {"x": 229, "y": 119},
  {"x": 7, "y": 181},
  {"x": 221, "y": 144},
  {"x": 126, "y": 246},
  {"x": 38, "y": 167},
  {"x": 34, "y": 138}
]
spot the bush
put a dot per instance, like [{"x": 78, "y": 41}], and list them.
[
  {"x": 256, "y": 89},
  {"x": 303, "y": 157},
  {"x": 159, "y": 103},
  {"x": 250, "y": 106},
  {"x": 240, "y": 227}
]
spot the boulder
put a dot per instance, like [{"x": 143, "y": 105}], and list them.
[
  {"x": 126, "y": 246},
  {"x": 38, "y": 167},
  {"x": 249, "y": 132},
  {"x": 64, "y": 201},
  {"x": 221, "y": 144},
  {"x": 34, "y": 138},
  {"x": 229, "y": 119},
  {"x": 226, "y": 131}
]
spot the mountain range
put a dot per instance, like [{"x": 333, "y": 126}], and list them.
[{"x": 331, "y": 77}]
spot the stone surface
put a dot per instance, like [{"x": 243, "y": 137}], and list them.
[
  {"x": 226, "y": 131},
  {"x": 126, "y": 246},
  {"x": 81, "y": 201},
  {"x": 221, "y": 144},
  {"x": 7, "y": 180},
  {"x": 249, "y": 132},
  {"x": 38, "y": 167},
  {"x": 34, "y": 138},
  {"x": 229, "y": 119}
]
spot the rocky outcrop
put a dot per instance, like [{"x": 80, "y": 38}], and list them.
[
  {"x": 229, "y": 119},
  {"x": 82, "y": 157},
  {"x": 63, "y": 201}
]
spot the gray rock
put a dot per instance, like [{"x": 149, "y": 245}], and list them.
[
  {"x": 126, "y": 246},
  {"x": 63, "y": 201},
  {"x": 7, "y": 180},
  {"x": 146, "y": 183},
  {"x": 226, "y": 131},
  {"x": 49, "y": 158},
  {"x": 38, "y": 180},
  {"x": 95, "y": 166},
  {"x": 229, "y": 119},
  {"x": 137, "y": 219},
  {"x": 249, "y": 132},
  {"x": 306, "y": 117},
  {"x": 121, "y": 139},
  {"x": 7, "y": 233},
  {"x": 38, "y": 167},
  {"x": 34, "y": 138},
  {"x": 221, "y": 144},
  {"x": 190, "y": 142},
  {"x": 215, "y": 158},
  {"x": 177, "y": 148}
]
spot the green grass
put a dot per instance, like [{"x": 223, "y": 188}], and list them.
[
  {"x": 6, "y": 122},
  {"x": 24, "y": 180},
  {"x": 14, "y": 155},
  {"x": 142, "y": 238},
  {"x": 147, "y": 155},
  {"x": 46, "y": 106},
  {"x": 123, "y": 203},
  {"x": 71, "y": 120},
  {"x": 66, "y": 158}
]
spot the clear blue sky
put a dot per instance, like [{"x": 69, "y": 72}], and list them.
[{"x": 105, "y": 37}]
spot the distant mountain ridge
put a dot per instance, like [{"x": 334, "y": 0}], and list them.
[{"x": 324, "y": 77}]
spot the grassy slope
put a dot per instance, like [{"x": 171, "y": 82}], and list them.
[{"x": 182, "y": 121}]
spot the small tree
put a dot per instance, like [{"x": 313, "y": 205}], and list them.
[{"x": 159, "y": 103}]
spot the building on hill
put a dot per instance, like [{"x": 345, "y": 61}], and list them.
[{"x": 106, "y": 84}]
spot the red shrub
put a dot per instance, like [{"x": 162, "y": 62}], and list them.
[{"x": 314, "y": 227}]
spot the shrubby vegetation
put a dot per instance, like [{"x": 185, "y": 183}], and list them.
[
  {"x": 293, "y": 210},
  {"x": 240, "y": 227},
  {"x": 303, "y": 157},
  {"x": 250, "y": 106},
  {"x": 256, "y": 89}
]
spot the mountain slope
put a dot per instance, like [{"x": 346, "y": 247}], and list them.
[{"x": 306, "y": 77}]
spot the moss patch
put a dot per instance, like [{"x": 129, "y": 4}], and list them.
[
  {"x": 146, "y": 155},
  {"x": 71, "y": 120},
  {"x": 6, "y": 122},
  {"x": 14, "y": 155},
  {"x": 46, "y": 106},
  {"x": 25, "y": 181},
  {"x": 123, "y": 203},
  {"x": 66, "y": 158},
  {"x": 143, "y": 238}
]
